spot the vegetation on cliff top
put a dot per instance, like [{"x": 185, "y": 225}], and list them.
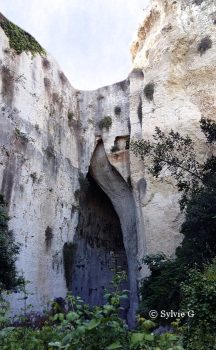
[{"x": 20, "y": 40}]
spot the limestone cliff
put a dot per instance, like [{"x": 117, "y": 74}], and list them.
[{"x": 65, "y": 158}]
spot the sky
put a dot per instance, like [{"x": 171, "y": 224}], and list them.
[{"x": 90, "y": 39}]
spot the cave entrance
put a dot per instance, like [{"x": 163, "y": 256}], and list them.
[
  {"x": 106, "y": 235},
  {"x": 99, "y": 245}
]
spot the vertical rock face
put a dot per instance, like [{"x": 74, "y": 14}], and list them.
[
  {"x": 175, "y": 49},
  {"x": 52, "y": 136}
]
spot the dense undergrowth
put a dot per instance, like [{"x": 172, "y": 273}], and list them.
[{"x": 73, "y": 325}]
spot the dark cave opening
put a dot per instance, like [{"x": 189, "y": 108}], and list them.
[{"x": 99, "y": 246}]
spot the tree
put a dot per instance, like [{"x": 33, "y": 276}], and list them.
[
  {"x": 197, "y": 183},
  {"x": 8, "y": 252},
  {"x": 199, "y": 296},
  {"x": 176, "y": 153}
]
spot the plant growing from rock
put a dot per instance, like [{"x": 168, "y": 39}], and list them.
[
  {"x": 21, "y": 135},
  {"x": 20, "y": 40},
  {"x": 204, "y": 45},
  {"x": 114, "y": 149},
  {"x": 33, "y": 176},
  {"x": 70, "y": 116},
  {"x": 105, "y": 123}
]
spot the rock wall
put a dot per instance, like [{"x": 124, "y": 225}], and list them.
[{"x": 51, "y": 136}]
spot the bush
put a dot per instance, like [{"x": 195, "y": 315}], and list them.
[
  {"x": 114, "y": 149},
  {"x": 105, "y": 123},
  {"x": 204, "y": 45},
  {"x": 199, "y": 295},
  {"x": 20, "y": 40},
  {"x": 149, "y": 91},
  {"x": 161, "y": 290},
  {"x": 70, "y": 116}
]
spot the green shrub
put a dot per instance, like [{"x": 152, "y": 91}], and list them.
[
  {"x": 114, "y": 149},
  {"x": 149, "y": 91},
  {"x": 33, "y": 176},
  {"x": 105, "y": 123},
  {"x": 199, "y": 295},
  {"x": 20, "y": 40},
  {"x": 70, "y": 116}
]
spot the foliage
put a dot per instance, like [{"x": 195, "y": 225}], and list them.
[
  {"x": 204, "y": 45},
  {"x": 149, "y": 91},
  {"x": 196, "y": 181},
  {"x": 70, "y": 115},
  {"x": 199, "y": 295},
  {"x": 106, "y": 123},
  {"x": 20, "y": 40},
  {"x": 115, "y": 148},
  {"x": 21, "y": 135},
  {"x": 8, "y": 252},
  {"x": 78, "y": 327},
  {"x": 176, "y": 155},
  {"x": 161, "y": 290},
  {"x": 34, "y": 176},
  {"x": 209, "y": 128}
]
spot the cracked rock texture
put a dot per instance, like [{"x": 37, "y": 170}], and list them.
[{"x": 50, "y": 140}]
